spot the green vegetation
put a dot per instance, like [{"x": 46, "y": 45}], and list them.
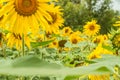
[{"x": 78, "y": 12}]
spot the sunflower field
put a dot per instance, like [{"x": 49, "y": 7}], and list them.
[{"x": 59, "y": 40}]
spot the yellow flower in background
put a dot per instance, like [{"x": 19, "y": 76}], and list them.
[
  {"x": 66, "y": 31},
  {"x": 40, "y": 37},
  {"x": 95, "y": 53},
  {"x": 57, "y": 20},
  {"x": 14, "y": 39},
  {"x": 91, "y": 28},
  {"x": 54, "y": 44},
  {"x": 24, "y": 16},
  {"x": 99, "y": 50},
  {"x": 78, "y": 33},
  {"x": 1, "y": 18},
  {"x": 117, "y": 23},
  {"x": 100, "y": 39},
  {"x": 99, "y": 77},
  {"x": 75, "y": 37}
]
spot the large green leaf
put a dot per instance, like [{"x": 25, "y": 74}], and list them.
[
  {"x": 36, "y": 44},
  {"x": 32, "y": 65}
]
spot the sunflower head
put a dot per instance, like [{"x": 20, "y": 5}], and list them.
[
  {"x": 54, "y": 44},
  {"x": 26, "y": 7},
  {"x": 66, "y": 31},
  {"x": 100, "y": 39},
  {"x": 91, "y": 28},
  {"x": 74, "y": 39},
  {"x": 40, "y": 38},
  {"x": 54, "y": 18},
  {"x": 23, "y": 16},
  {"x": 116, "y": 40}
]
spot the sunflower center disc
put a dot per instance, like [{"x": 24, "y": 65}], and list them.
[
  {"x": 92, "y": 27},
  {"x": 26, "y": 7}
]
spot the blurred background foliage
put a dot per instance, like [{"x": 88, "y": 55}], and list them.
[{"x": 78, "y": 12}]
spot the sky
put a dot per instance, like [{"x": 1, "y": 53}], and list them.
[{"x": 116, "y": 4}]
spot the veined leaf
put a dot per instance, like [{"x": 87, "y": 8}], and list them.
[{"x": 32, "y": 65}]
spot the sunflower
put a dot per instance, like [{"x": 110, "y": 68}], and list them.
[
  {"x": 116, "y": 40},
  {"x": 66, "y": 31},
  {"x": 100, "y": 39},
  {"x": 1, "y": 18},
  {"x": 54, "y": 44},
  {"x": 57, "y": 20},
  {"x": 75, "y": 38},
  {"x": 98, "y": 51},
  {"x": 24, "y": 16},
  {"x": 117, "y": 23},
  {"x": 16, "y": 39},
  {"x": 99, "y": 77},
  {"x": 95, "y": 53},
  {"x": 91, "y": 28},
  {"x": 40, "y": 37}
]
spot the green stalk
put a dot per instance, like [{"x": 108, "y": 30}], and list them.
[
  {"x": 23, "y": 44},
  {"x": 3, "y": 48}
]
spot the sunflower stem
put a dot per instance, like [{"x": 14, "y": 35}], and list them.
[
  {"x": 23, "y": 44},
  {"x": 3, "y": 48}
]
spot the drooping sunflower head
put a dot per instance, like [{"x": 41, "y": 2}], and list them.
[
  {"x": 62, "y": 43},
  {"x": 91, "y": 28},
  {"x": 116, "y": 40}
]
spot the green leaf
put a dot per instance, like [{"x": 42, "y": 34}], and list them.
[
  {"x": 108, "y": 48},
  {"x": 36, "y": 44},
  {"x": 32, "y": 65},
  {"x": 33, "y": 61},
  {"x": 72, "y": 78}
]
